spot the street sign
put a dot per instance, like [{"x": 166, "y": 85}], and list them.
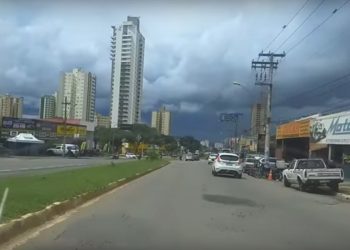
[{"x": 228, "y": 117}]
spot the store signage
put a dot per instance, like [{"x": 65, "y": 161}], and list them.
[
  {"x": 331, "y": 129},
  {"x": 295, "y": 129}
]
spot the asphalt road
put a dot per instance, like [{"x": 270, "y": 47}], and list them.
[
  {"x": 34, "y": 165},
  {"x": 182, "y": 206}
]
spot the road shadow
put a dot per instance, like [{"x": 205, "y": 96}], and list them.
[
  {"x": 324, "y": 191},
  {"x": 230, "y": 177},
  {"x": 228, "y": 200}
]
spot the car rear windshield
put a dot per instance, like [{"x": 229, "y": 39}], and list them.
[
  {"x": 229, "y": 157},
  {"x": 310, "y": 164}
]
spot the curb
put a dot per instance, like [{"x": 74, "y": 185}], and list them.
[
  {"x": 18, "y": 226},
  {"x": 343, "y": 197}
]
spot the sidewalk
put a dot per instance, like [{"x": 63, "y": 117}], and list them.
[{"x": 345, "y": 188}]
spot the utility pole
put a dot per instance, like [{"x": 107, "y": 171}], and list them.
[
  {"x": 263, "y": 80},
  {"x": 65, "y": 103}
]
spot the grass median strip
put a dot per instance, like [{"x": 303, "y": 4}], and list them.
[{"x": 33, "y": 193}]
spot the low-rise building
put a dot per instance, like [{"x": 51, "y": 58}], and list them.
[{"x": 103, "y": 121}]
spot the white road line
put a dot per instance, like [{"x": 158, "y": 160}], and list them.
[
  {"x": 39, "y": 168},
  {"x": 6, "y": 170}
]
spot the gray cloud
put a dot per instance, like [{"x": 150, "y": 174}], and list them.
[{"x": 194, "y": 51}]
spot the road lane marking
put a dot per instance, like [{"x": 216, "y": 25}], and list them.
[{"x": 40, "y": 168}]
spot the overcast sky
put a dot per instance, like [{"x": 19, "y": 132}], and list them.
[{"x": 194, "y": 51}]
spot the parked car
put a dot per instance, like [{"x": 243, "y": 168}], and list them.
[
  {"x": 212, "y": 157},
  {"x": 227, "y": 164},
  {"x": 130, "y": 156},
  {"x": 70, "y": 150},
  {"x": 189, "y": 157},
  {"x": 250, "y": 165},
  {"x": 195, "y": 157},
  {"x": 312, "y": 173},
  {"x": 272, "y": 162}
]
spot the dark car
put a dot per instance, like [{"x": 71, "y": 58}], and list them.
[{"x": 195, "y": 157}]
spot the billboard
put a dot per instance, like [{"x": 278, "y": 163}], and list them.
[
  {"x": 331, "y": 129},
  {"x": 18, "y": 123},
  {"x": 45, "y": 130},
  {"x": 295, "y": 129},
  {"x": 71, "y": 130}
]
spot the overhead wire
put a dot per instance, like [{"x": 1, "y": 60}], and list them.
[
  {"x": 300, "y": 25},
  {"x": 306, "y": 92},
  {"x": 316, "y": 28},
  {"x": 286, "y": 25}
]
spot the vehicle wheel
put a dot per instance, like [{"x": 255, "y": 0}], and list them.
[
  {"x": 301, "y": 185},
  {"x": 286, "y": 182},
  {"x": 214, "y": 173},
  {"x": 239, "y": 176},
  {"x": 50, "y": 153},
  {"x": 334, "y": 187}
]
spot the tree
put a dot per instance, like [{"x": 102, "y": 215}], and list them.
[{"x": 189, "y": 143}]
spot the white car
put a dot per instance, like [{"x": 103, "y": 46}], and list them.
[
  {"x": 189, "y": 157},
  {"x": 211, "y": 158},
  {"x": 130, "y": 156},
  {"x": 227, "y": 164}
]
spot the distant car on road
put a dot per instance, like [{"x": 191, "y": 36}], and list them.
[
  {"x": 227, "y": 164},
  {"x": 189, "y": 157},
  {"x": 212, "y": 157},
  {"x": 312, "y": 173},
  {"x": 195, "y": 157},
  {"x": 130, "y": 156},
  {"x": 70, "y": 150}
]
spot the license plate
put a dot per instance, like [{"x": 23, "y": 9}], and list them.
[{"x": 229, "y": 164}]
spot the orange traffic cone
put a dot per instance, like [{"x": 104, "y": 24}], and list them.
[{"x": 270, "y": 175}]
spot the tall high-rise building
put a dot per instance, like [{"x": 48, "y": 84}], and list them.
[
  {"x": 11, "y": 106},
  {"x": 161, "y": 120},
  {"x": 257, "y": 124},
  {"x": 127, "y": 54},
  {"x": 47, "y": 107},
  {"x": 79, "y": 88}
]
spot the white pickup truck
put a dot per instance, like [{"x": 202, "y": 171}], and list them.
[
  {"x": 312, "y": 173},
  {"x": 70, "y": 150}
]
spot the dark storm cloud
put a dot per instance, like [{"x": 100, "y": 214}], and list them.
[{"x": 194, "y": 51}]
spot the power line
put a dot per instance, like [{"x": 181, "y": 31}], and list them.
[
  {"x": 305, "y": 20},
  {"x": 286, "y": 25},
  {"x": 317, "y": 27},
  {"x": 306, "y": 92}
]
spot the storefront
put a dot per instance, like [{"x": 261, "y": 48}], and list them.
[
  {"x": 292, "y": 140},
  {"x": 48, "y": 131},
  {"x": 330, "y": 137}
]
